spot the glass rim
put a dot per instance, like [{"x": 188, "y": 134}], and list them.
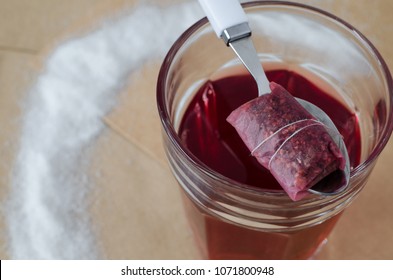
[{"x": 170, "y": 130}]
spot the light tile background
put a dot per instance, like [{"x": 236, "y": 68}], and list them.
[{"x": 151, "y": 225}]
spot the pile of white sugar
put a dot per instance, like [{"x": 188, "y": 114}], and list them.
[{"x": 46, "y": 213}]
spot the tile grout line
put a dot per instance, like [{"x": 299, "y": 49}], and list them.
[
  {"x": 18, "y": 50},
  {"x": 122, "y": 134}
]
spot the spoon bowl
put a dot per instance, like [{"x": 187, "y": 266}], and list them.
[{"x": 334, "y": 186}]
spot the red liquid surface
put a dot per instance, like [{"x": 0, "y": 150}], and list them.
[{"x": 206, "y": 133}]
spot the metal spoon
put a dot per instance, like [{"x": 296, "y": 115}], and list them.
[{"x": 231, "y": 24}]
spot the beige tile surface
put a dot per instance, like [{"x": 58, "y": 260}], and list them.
[
  {"x": 133, "y": 106},
  {"x": 28, "y": 26},
  {"x": 135, "y": 205}
]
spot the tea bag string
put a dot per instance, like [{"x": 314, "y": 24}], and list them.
[
  {"x": 291, "y": 136},
  {"x": 279, "y": 130}
]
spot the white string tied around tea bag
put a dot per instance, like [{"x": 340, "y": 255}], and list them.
[{"x": 264, "y": 141}]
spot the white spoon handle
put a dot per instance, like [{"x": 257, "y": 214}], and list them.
[
  {"x": 230, "y": 23},
  {"x": 223, "y": 14}
]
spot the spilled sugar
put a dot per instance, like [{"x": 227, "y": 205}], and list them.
[{"x": 46, "y": 212}]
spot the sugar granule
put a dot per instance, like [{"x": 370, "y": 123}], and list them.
[{"x": 47, "y": 212}]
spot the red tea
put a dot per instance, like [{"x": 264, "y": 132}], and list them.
[
  {"x": 206, "y": 133},
  {"x": 221, "y": 240}
]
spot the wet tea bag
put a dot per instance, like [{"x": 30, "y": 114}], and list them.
[{"x": 287, "y": 140}]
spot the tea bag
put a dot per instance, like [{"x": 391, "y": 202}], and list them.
[{"x": 287, "y": 140}]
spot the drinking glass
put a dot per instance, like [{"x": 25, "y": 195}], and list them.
[{"x": 229, "y": 219}]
